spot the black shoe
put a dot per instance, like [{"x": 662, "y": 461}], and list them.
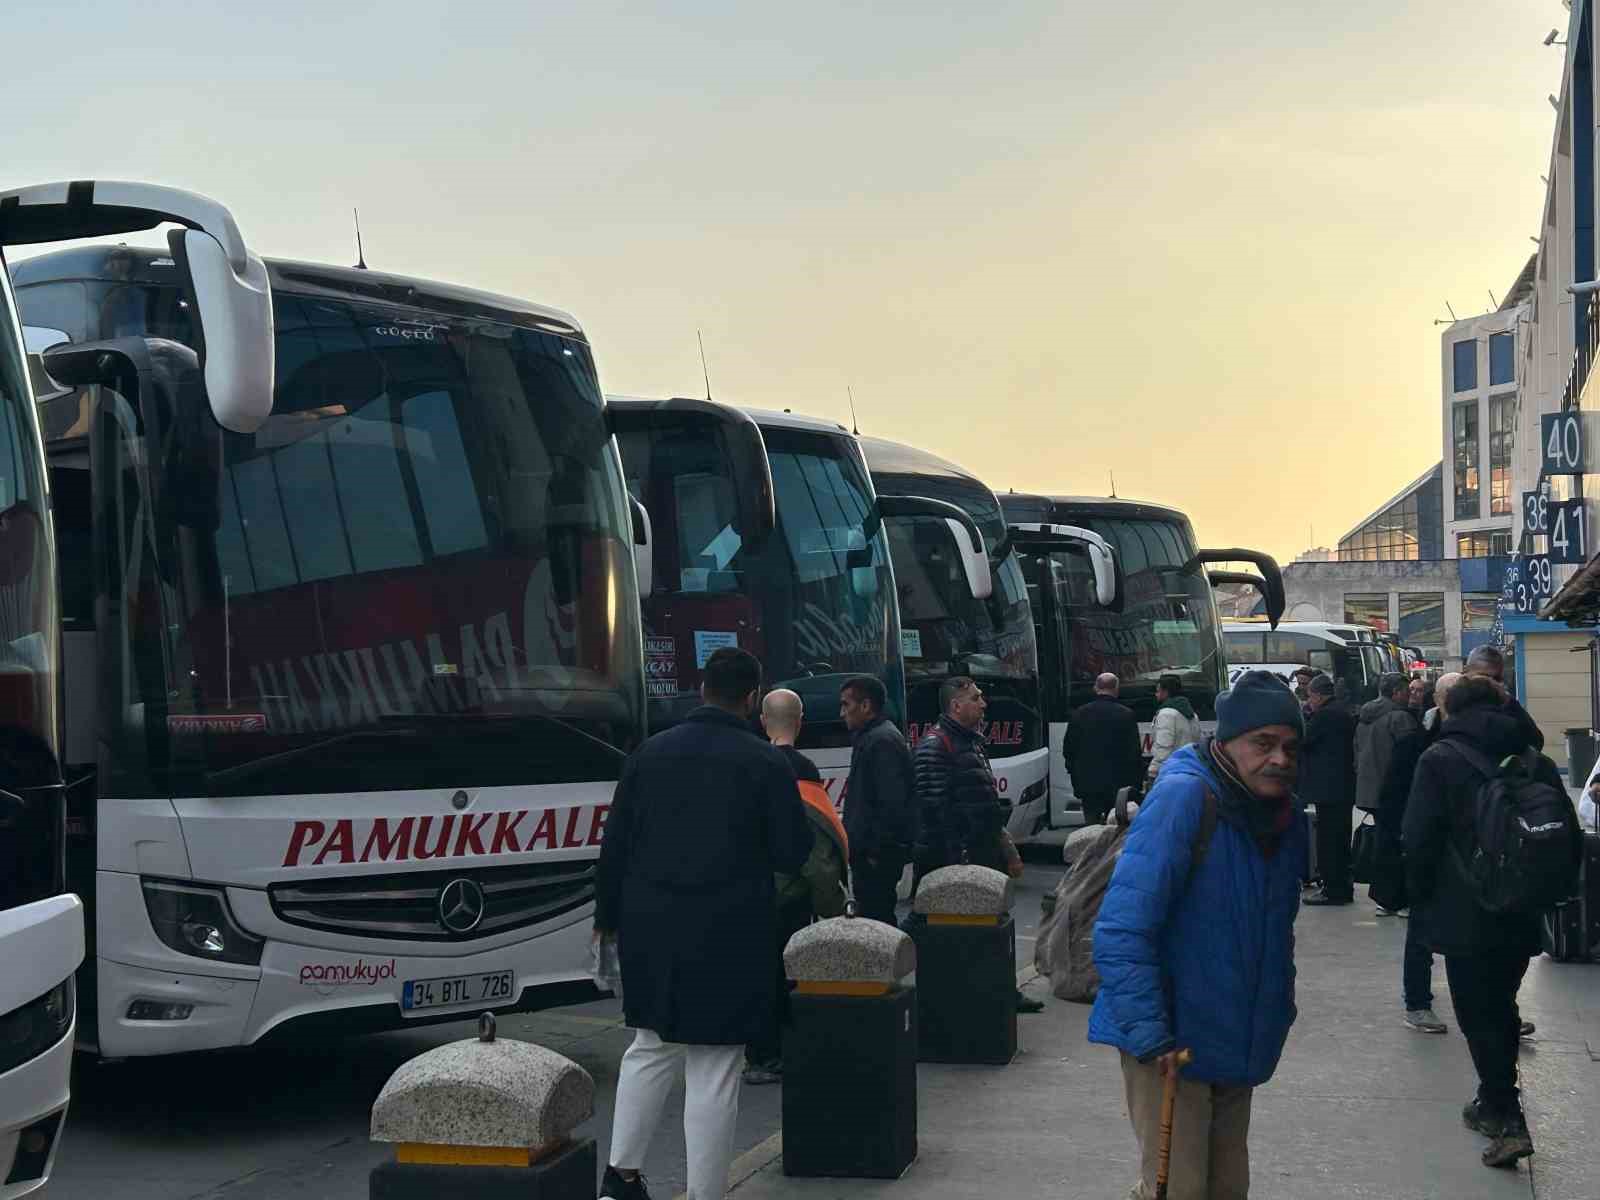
[
  {"x": 1476, "y": 1119},
  {"x": 1322, "y": 898},
  {"x": 1027, "y": 1004},
  {"x": 1526, "y": 1028},
  {"x": 1511, "y": 1143},
  {"x": 615, "y": 1187}
]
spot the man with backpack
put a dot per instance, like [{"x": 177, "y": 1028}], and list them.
[
  {"x": 1491, "y": 840},
  {"x": 1195, "y": 938}
]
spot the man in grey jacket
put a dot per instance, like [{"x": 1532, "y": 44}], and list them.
[{"x": 1384, "y": 723}]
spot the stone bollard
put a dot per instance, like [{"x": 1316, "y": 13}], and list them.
[
  {"x": 966, "y": 966},
  {"x": 850, "y": 1057},
  {"x": 485, "y": 1119}
]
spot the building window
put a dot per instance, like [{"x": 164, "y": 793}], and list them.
[
  {"x": 1483, "y": 543},
  {"x": 1422, "y": 621},
  {"x": 1502, "y": 440},
  {"x": 1502, "y": 358},
  {"x": 1477, "y": 614},
  {"x": 1464, "y": 443},
  {"x": 1367, "y": 608},
  {"x": 1466, "y": 365}
]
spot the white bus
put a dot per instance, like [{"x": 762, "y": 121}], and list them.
[
  {"x": 1121, "y": 587},
  {"x": 946, "y": 629},
  {"x": 1352, "y": 655},
  {"x": 347, "y": 687},
  {"x": 791, "y": 562}
]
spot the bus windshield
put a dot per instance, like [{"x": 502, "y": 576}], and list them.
[
  {"x": 31, "y": 835},
  {"x": 416, "y": 574},
  {"x": 945, "y": 631},
  {"x": 1168, "y": 622},
  {"x": 814, "y": 612}
]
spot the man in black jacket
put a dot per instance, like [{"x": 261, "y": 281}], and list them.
[
  {"x": 1485, "y": 953},
  {"x": 1328, "y": 780},
  {"x": 963, "y": 816},
  {"x": 704, "y": 815},
  {"x": 1490, "y": 663},
  {"x": 880, "y": 804},
  {"x": 1101, "y": 749}
]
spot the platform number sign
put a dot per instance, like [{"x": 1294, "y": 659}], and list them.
[
  {"x": 1561, "y": 435},
  {"x": 1569, "y": 532},
  {"x": 1534, "y": 583},
  {"x": 1536, "y": 511}
]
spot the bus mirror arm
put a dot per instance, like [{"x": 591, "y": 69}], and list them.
[{"x": 1271, "y": 581}]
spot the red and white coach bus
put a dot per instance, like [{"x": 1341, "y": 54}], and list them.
[{"x": 346, "y": 690}]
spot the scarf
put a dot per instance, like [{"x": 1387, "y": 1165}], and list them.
[{"x": 1265, "y": 820}]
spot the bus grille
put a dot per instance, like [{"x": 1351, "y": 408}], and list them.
[{"x": 407, "y": 906}]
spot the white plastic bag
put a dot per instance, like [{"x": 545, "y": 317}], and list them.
[{"x": 605, "y": 965}]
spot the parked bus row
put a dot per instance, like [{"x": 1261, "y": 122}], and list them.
[{"x": 366, "y": 590}]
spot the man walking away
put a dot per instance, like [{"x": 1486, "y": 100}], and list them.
[
  {"x": 704, "y": 815},
  {"x": 963, "y": 816},
  {"x": 880, "y": 803},
  {"x": 818, "y": 891},
  {"x": 1101, "y": 749},
  {"x": 1195, "y": 939},
  {"x": 1176, "y": 725},
  {"x": 1384, "y": 722},
  {"x": 1485, "y": 953},
  {"x": 1490, "y": 663},
  {"x": 1416, "y": 972},
  {"x": 1328, "y": 780}
]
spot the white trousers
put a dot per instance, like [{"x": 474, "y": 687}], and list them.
[{"x": 650, "y": 1070}]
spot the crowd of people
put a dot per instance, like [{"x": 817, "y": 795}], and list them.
[{"x": 720, "y": 845}]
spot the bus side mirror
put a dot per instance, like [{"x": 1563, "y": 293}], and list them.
[
  {"x": 1270, "y": 582},
  {"x": 974, "y": 560},
  {"x": 643, "y": 550},
  {"x": 1105, "y": 575},
  {"x": 233, "y": 306},
  {"x": 964, "y": 530}
]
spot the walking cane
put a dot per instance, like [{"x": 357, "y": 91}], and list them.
[{"x": 1169, "y": 1101}]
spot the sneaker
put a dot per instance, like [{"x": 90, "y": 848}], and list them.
[
  {"x": 1476, "y": 1119},
  {"x": 1322, "y": 898},
  {"x": 615, "y": 1187},
  {"x": 1526, "y": 1029},
  {"x": 1423, "y": 1019},
  {"x": 757, "y": 1074},
  {"x": 1027, "y": 1004},
  {"x": 1512, "y": 1142},
  {"x": 1388, "y": 912}
]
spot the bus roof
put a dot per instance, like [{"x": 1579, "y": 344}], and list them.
[
  {"x": 1028, "y": 506},
  {"x": 141, "y": 264},
  {"x": 896, "y": 458},
  {"x": 761, "y": 416}
]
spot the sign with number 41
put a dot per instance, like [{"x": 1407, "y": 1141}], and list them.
[{"x": 1569, "y": 531}]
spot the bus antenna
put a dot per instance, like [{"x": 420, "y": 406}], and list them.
[
  {"x": 361, "y": 258},
  {"x": 704, "y": 370},
  {"x": 1113, "y": 475},
  {"x": 855, "y": 426}
]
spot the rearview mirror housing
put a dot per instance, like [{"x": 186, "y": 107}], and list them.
[
  {"x": 970, "y": 545},
  {"x": 235, "y": 327},
  {"x": 643, "y": 550}
]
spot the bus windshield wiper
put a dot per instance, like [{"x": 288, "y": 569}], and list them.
[{"x": 254, "y": 766}]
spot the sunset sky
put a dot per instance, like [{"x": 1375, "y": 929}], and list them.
[{"x": 1199, "y": 245}]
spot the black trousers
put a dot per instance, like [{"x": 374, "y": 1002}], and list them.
[
  {"x": 1096, "y": 805},
  {"x": 874, "y": 883},
  {"x": 1483, "y": 988},
  {"x": 1333, "y": 849},
  {"x": 792, "y": 918}
]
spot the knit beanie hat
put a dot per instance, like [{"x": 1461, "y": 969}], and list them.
[{"x": 1257, "y": 698}]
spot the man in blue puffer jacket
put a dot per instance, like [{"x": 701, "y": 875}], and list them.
[{"x": 1195, "y": 938}]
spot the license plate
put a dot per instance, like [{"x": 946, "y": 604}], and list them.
[{"x": 489, "y": 987}]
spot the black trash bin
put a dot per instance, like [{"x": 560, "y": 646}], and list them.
[{"x": 1580, "y": 755}]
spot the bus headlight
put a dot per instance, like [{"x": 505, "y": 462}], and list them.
[
  {"x": 28, "y": 1031},
  {"x": 195, "y": 919}
]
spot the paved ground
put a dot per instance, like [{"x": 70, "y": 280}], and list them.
[
  {"x": 1361, "y": 1108},
  {"x": 258, "y": 1126}
]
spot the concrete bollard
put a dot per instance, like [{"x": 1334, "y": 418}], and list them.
[
  {"x": 485, "y": 1119},
  {"x": 966, "y": 966},
  {"x": 850, "y": 1057}
]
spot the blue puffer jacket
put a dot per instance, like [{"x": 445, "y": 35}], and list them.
[{"x": 1206, "y": 963}]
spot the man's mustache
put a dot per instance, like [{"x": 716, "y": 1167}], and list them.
[{"x": 1279, "y": 773}]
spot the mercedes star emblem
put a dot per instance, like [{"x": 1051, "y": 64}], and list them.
[{"x": 461, "y": 906}]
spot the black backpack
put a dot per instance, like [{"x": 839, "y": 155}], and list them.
[{"x": 1520, "y": 852}]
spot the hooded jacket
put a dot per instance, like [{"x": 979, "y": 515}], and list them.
[
  {"x": 1200, "y": 956},
  {"x": 1383, "y": 725},
  {"x": 1438, "y": 810},
  {"x": 1176, "y": 726}
]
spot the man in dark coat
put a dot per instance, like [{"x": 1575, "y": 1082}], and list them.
[
  {"x": 1328, "y": 780},
  {"x": 1383, "y": 723},
  {"x": 880, "y": 801},
  {"x": 963, "y": 816},
  {"x": 1101, "y": 749},
  {"x": 704, "y": 815},
  {"x": 1485, "y": 953},
  {"x": 1490, "y": 663}
]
